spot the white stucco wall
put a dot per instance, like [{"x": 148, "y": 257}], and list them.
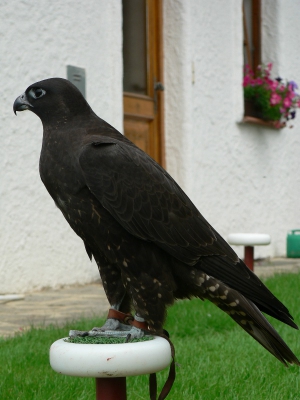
[
  {"x": 38, "y": 39},
  {"x": 243, "y": 178}
]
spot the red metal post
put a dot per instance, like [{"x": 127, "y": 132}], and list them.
[
  {"x": 249, "y": 257},
  {"x": 111, "y": 388}
]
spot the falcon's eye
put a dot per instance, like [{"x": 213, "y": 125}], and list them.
[{"x": 36, "y": 93}]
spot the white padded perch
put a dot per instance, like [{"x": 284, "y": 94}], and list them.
[
  {"x": 110, "y": 363},
  {"x": 249, "y": 240}
]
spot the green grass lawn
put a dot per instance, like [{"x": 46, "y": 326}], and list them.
[{"x": 215, "y": 358}]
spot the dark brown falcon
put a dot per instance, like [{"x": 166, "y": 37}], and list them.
[{"x": 151, "y": 244}]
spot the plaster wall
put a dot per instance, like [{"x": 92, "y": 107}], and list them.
[
  {"x": 242, "y": 177},
  {"x": 38, "y": 39}
]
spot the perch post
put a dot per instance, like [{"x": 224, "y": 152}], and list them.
[
  {"x": 110, "y": 364},
  {"x": 249, "y": 240}
]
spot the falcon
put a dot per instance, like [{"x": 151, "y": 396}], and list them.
[{"x": 151, "y": 244}]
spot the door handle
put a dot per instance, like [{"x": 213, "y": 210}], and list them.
[{"x": 158, "y": 86}]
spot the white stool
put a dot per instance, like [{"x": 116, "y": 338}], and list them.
[
  {"x": 249, "y": 240},
  {"x": 110, "y": 363}
]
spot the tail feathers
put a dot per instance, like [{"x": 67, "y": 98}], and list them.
[
  {"x": 248, "y": 316},
  {"x": 239, "y": 277}
]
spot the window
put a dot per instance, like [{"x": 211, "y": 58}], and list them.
[
  {"x": 252, "y": 52},
  {"x": 135, "y": 46},
  {"x": 252, "y": 32}
]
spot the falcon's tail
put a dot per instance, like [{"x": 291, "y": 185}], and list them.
[{"x": 248, "y": 316}]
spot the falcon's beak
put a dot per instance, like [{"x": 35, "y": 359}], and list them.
[{"x": 21, "y": 103}]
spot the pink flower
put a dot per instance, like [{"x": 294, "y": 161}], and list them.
[
  {"x": 268, "y": 69},
  {"x": 273, "y": 85},
  {"x": 275, "y": 99},
  {"x": 287, "y": 102},
  {"x": 247, "y": 80},
  {"x": 282, "y": 110}
]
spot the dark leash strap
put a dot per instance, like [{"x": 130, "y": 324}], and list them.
[
  {"x": 171, "y": 377},
  {"x": 129, "y": 320}
]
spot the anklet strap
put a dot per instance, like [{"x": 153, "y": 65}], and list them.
[
  {"x": 127, "y": 319},
  {"x": 115, "y": 314},
  {"x": 139, "y": 324}
]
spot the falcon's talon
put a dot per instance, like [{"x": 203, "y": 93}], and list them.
[
  {"x": 137, "y": 333},
  {"x": 128, "y": 338},
  {"x": 132, "y": 333},
  {"x": 117, "y": 334},
  {"x": 112, "y": 328},
  {"x": 74, "y": 333},
  {"x": 112, "y": 324}
]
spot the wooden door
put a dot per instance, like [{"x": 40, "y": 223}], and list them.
[{"x": 142, "y": 83}]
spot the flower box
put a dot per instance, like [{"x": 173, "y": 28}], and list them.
[
  {"x": 267, "y": 101},
  {"x": 254, "y": 115}
]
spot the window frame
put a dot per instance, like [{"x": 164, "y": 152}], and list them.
[
  {"x": 252, "y": 44},
  {"x": 252, "y": 47}
]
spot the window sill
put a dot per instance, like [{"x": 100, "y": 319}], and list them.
[{"x": 258, "y": 121}]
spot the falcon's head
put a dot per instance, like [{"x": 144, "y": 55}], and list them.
[{"x": 52, "y": 98}]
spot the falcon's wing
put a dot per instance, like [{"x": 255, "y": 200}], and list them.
[
  {"x": 150, "y": 205},
  {"x": 147, "y": 202}
]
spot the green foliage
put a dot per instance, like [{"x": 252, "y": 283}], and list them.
[
  {"x": 216, "y": 359},
  {"x": 261, "y": 99}
]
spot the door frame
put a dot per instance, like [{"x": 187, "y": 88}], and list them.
[{"x": 154, "y": 48}]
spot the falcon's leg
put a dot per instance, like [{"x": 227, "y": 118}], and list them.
[
  {"x": 119, "y": 320},
  {"x": 117, "y": 297},
  {"x": 115, "y": 293},
  {"x": 120, "y": 295},
  {"x": 113, "y": 327},
  {"x": 113, "y": 323}
]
